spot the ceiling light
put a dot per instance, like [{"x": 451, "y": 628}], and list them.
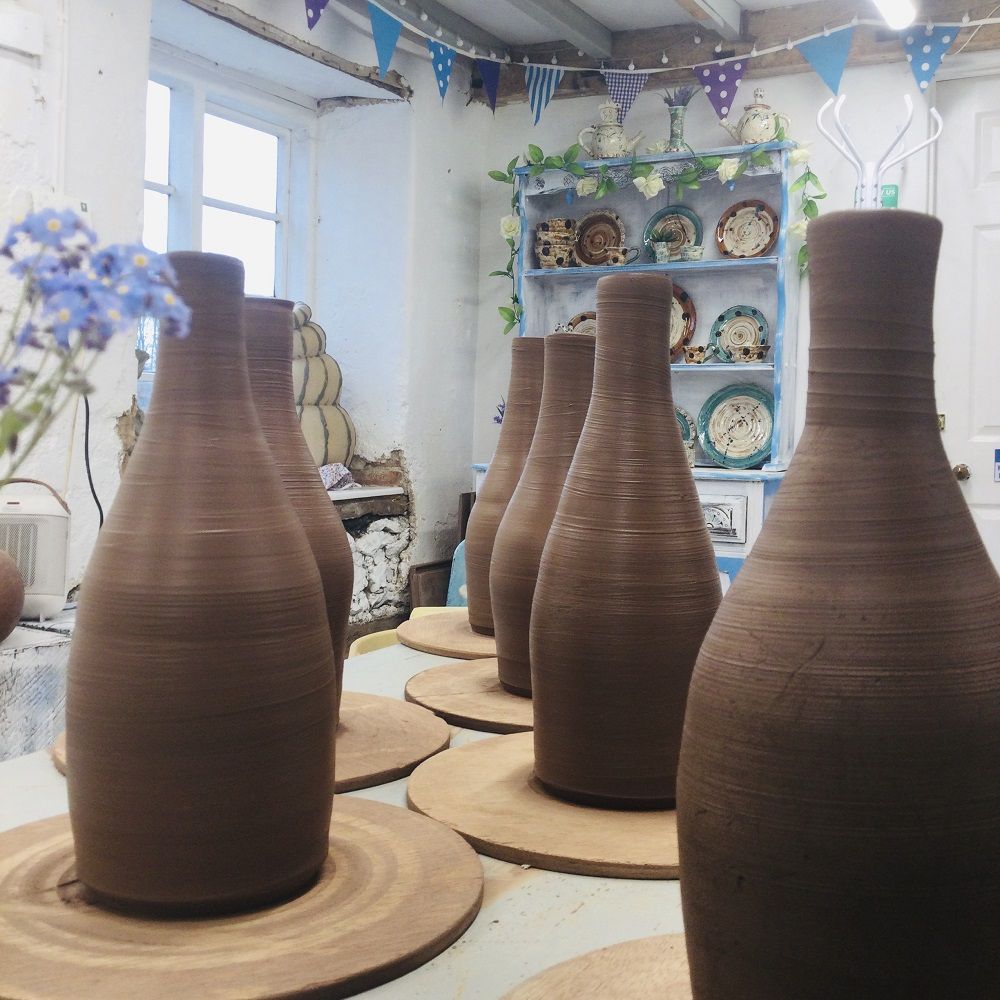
[
  {"x": 898, "y": 14},
  {"x": 664, "y": 59},
  {"x": 423, "y": 15},
  {"x": 439, "y": 32}
]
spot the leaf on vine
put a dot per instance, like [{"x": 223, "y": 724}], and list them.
[
  {"x": 799, "y": 183},
  {"x": 536, "y": 169},
  {"x": 803, "y": 258},
  {"x": 711, "y": 162},
  {"x": 642, "y": 169},
  {"x": 759, "y": 158},
  {"x": 575, "y": 169},
  {"x": 499, "y": 274},
  {"x": 499, "y": 175},
  {"x": 740, "y": 170},
  {"x": 510, "y": 326},
  {"x": 810, "y": 209},
  {"x": 554, "y": 162},
  {"x": 508, "y": 314},
  {"x": 513, "y": 164},
  {"x": 535, "y": 155},
  {"x": 572, "y": 154}
]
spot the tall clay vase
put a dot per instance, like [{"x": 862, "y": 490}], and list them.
[
  {"x": 839, "y": 796},
  {"x": 628, "y": 583},
  {"x": 268, "y": 326},
  {"x": 524, "y": 396},
  {"x": 569, "y": 377},
  {"x": 199, "y": 715}
]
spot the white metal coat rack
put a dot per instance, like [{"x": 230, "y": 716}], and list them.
[{"x": 870, "y": 172}]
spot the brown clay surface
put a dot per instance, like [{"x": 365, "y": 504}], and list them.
[
  {"x": 839, "y": 787},
  {"x": 446, "y": 634},
  {"x": 199, "y": 713},
  {"x": 485, "y": 792},
  {"x": 524, "y": 395},
  {"x": 469, "y": 694},
  {"x": 653, "y": 968},
  {"x": 569, "y": 377},
  {"x": 395, "y": 891},
  {"x": 11, "y": 595},
  {"x": 382, "y": 739},
  {"x": 268, "y": 326},
  {"x": 627, "y": 584},
  {"x": 378, "y": 739}
]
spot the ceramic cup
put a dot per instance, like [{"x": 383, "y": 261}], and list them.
[
  {"x": 661, "y": 251},
  {"x": 621, "y": 255},
  {"x": 698, "y": 355},
  {"x": 692, "y": 253},
  {"x": 556, "y": 228},
  {"x": 752, "y": 355}
]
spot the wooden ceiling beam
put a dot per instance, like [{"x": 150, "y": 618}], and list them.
[
  {"x": 726, "y": 16},
  {"x": 569, "y": 22}
]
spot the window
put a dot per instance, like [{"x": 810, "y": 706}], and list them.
[{"x": 218, "y": 164}]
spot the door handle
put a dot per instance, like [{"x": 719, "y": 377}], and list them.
[{"x": 962, "y": 471}]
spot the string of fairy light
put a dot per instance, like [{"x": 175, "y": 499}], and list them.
[{"x": 438, "y": 33}]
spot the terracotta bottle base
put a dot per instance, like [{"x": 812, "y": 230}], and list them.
[
  {"x": 482, "y": 629},
  {"x": 510, "y": 688},
  {"x": 607, "y": 801},
  {"x": 284, "y": 892}
]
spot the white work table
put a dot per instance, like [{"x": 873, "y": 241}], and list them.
[{"x": 530, "y": 919}]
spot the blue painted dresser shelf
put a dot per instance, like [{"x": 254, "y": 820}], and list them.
[{"x": 735, "y": 500}]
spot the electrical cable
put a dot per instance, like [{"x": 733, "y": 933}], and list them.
[{"x": 86, "y": 459}]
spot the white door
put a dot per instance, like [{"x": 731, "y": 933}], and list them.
[{"x": 967, "y": 299}]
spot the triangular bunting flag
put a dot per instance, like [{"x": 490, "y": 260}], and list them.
[
  {"x": 441, "y": 58},
  {"x": 541, "y": 82},
  {"x": 925, "y": 48},
  {"x": 720, "y": 81},
  {"x": 313, "y": 10},
  {"x": 624, "y": 87},
  {"x": 828, "y": 55},
  {"x": 490, "y": 72},
  {"x": 385, "y": 31}
]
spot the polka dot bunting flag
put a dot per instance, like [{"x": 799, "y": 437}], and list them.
[
  {"x": 721, "y": 82},
  {"x": 313, "y": 10},
  {"x": 925, "y": 47},
  {"x": 442, "y": 59}
]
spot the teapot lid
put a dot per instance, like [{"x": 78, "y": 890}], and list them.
[{"x": 758, "y": 99}]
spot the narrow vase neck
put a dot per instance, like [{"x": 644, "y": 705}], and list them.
[
  {"x": 520, "y": 414},
  {"x": 871, "y": 353},
  {"x": 268, "y": 325},
  {"x": 204, "y": 375}
]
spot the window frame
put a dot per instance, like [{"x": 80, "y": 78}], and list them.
[{"x": 199, "y": 87}]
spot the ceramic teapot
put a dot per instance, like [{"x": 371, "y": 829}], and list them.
[
  {"x": 758, "y": 124},
  {"x": 607, "y": 137}
]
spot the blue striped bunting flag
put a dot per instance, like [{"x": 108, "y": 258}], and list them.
[{"x": 541, "y": 82}]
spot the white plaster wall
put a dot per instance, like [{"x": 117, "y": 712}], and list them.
[
  {"x": 397, "y": 268},
  {"x": 72, "y": 121},
  {"x": 874, "y": 106}
]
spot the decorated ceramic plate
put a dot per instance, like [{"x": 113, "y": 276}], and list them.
[
  {"x": 747, "y": 229},
  {"x": 585, "y": 322},
  {"x": 735, "y": 426},
  {"x": 738, "y": 326},
  {"x": 598, "y": 234},
  {"x": 688, "y": 429},
  {"x": 675, "y": 225},
  {"x": 683, "y": 319}
]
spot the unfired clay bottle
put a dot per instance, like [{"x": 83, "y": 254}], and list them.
[
  {"x": 568, "y": 379},
  {"x": 268, "y": 325},
  {"x": 199, "y": 713},
  {"x": 523, "y": 398},
  {"x": 628, "y": 583},
  {"x": 839, "y": 793}
]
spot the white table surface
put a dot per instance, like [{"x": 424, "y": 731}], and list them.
[{"x": 530, "y": 919}]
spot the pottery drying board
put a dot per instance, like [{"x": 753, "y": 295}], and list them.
[
  {"x": 395, "y": 892},
  {"x": 486, "y": 792},
  {"x": 653, "y": 968},
  {"x": 446, "y": 634},
  {"x": 468, "y": 693}
]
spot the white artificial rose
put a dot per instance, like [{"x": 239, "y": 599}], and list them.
[
  {"x": 510, "y": 226},
  {"x": 657, "y": 147},
  {"x": 650, "y": 186},
  {"x": 798, "y": 229},
  {"x": 799, "y": 155},
  {"x": 586, "y": 186},
  {"x": 727, "y": 169}
]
